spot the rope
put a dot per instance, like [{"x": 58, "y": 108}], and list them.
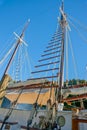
[
  {"x": 28, "y": 61},
  {"x": 75, "y": 68},
  {"x": 8, "y": 44},
  {"x": 34, "y": 110},
  {"x": 18, "y": 67},
  {"x": 7, "y": 54},
  {"x": 51, "y": 89},
  {"x": 79, "y": 32},
  {"x": 78, "y": 22}
]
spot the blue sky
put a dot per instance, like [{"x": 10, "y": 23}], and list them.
[{"x": 43, "y": 15}]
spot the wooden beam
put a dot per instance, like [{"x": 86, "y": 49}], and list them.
[
  {"x": 49, "y": 58},
  {"x": 47, "y": 64},
  {"x": 57, "y": 44},
  {"x": 25, "y": 127},
  {"x": 52, "y": 42},
  {"x": 81, "y": 120},
  {"x": 76, "y": 121},
  {"x": 75, "y": 125},
  {"x": 82, "y": 96},
  {"x": 50, "y": 53},
  {"x": 52, "y": 49},
  {"x": 11, "y": 123},
  {"x": 45, "y": 70}
]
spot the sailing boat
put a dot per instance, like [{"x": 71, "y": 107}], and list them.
[{"x": 49, "y": 92}]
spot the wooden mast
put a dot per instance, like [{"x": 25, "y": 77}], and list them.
[
  {"x": 17, "y": 44},
  {"x": 63, "y": 26},
  {"x": 5, "y": 77}
]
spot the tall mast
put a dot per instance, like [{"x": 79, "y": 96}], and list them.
[
  {"x": 63, "y": 24},
  {"x": 16, "y": 47}
]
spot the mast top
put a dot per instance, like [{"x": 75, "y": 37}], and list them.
[
  {"x": 62, "y": 7},
  {"x": 63, "y": 19},
  {"x": 62, "y": 10},
  {"x": 26, "y": 25}
]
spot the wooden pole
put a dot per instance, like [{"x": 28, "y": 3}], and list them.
[{"x": 75, "y": 125}]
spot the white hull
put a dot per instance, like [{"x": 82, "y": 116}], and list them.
[{"x": 21, "y": 117}]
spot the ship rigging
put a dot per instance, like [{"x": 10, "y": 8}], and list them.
[{"x": 51, "y": 90}]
